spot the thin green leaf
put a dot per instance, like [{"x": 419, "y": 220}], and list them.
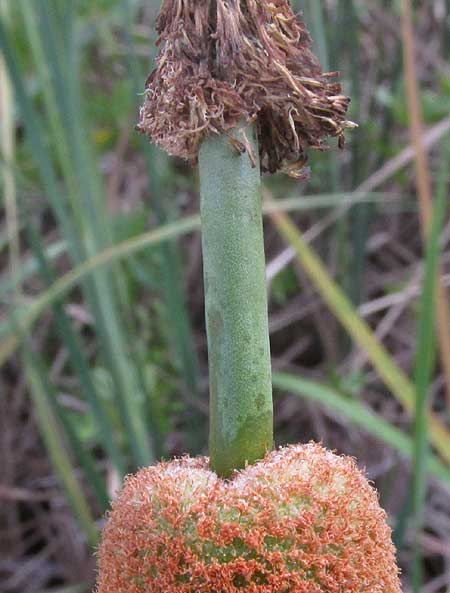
[
  {"x": 425, "y": 362},
  {"x": 357, "y": 328},
  {"x": 79, "y": 164},
  {"x": 25, "y": 319},
  {"x": 360, "y": 415},
  {"x": 53, "y": 439},
  {"x": 29, "y": 267},
  {"x": 170, "y": 269},
  {"x": 72, "y": 343},
  {"x": 72, "y": 278}
]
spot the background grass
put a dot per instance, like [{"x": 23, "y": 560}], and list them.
[{"x": 102, "y": 339}]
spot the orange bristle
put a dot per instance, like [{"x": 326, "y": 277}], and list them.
[{"x": 301, "y": 520}]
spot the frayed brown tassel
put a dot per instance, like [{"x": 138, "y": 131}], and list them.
[{"x": 224, "y": 61}]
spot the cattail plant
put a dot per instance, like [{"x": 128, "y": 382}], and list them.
[{"x": 238, "y": 90}]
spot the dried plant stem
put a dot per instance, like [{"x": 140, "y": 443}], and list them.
[
  {"x": 424, "y": 182},
  {"x": 7, "y": 153},
  {"x": 241, "y": 415}
]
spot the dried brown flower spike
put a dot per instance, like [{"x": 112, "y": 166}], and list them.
[{"x": 227, "y": 60}]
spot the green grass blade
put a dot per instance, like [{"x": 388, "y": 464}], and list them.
[
  {"x": 359, "y": 219},
  {"x": 35, "y": 136},
  {"x": 56, "y": 113},
  {"x": 72, "y": 278},
  {"x": 85, "y": 459},
  {"x": 78, "y": 163},
  {"x": 29, "y": 267},
  {"x": 402, "y": 523},
  {"x": 357, "y": 328},
  {"x": 53, "y": 439},
  {"x": 315, "y": 15},
  {"x": 99, "y": 234},
  {"x": 7, "y": 157},
  {"x": 360, "y": 415},
  {"x": 425, "y": 362},
  {"x": 80, "y": 366},
  {"x": 178, "y": 318},
  {"x": 10, "y": 336}
]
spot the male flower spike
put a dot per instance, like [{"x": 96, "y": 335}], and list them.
[{"x": 224, "y": 61}]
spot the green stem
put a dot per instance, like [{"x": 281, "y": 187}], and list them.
[{"x": 241, "y": 414}]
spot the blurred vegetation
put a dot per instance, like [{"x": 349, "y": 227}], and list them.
[{"x": 102, "y": 339}]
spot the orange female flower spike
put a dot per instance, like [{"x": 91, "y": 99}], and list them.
[{"x": 303, "y": 520}]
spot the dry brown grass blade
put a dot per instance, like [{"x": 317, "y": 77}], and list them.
[{"x": 423, "y": 179}]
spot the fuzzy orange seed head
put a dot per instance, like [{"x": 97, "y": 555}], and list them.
[{"x": 303, "y": 520}]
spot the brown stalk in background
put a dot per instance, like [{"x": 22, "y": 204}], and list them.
[{"x": 424, "y": 190}]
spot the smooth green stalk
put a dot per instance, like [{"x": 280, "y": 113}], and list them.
[{"x": 241, "y": 411}]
